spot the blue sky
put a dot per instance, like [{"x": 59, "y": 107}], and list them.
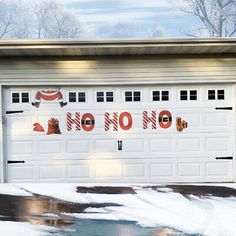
[{"x": 140, "y": 15}]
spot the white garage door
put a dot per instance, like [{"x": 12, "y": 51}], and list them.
[{"x": 125, "y": 134}]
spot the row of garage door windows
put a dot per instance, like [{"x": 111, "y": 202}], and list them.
[{"x": 130, "y": 96}]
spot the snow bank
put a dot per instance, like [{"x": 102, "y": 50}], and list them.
[
  {"x": 66, "y": 192},
  {"x": 16, "y": 228},
  {"x": 11, "y": 189}
]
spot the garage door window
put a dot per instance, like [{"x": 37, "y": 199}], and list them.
[
  {"x": 77, "y": 97},
  {"x": 193, "y": 94},
  {"x": 105, "y": 96},
  {"x": 81, "y": 97},
  {"x": 132, "y": 96},
  {"x": 188, "y": 95},
  {"x": 20, "y": 97},
  {"x": 216, "y": 94},
  {"x": 160, "y": 95}
]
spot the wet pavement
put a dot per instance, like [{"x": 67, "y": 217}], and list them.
[
  {"x": 198, "y": 190},
  {"x": 118, "y": 228},
  {"x": 106, "y": 190},
  {"x": 42, "y": 210}
]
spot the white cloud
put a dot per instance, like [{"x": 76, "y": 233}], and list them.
[
  {"x": 116, "y": 17},
  {"x": 131, "y": 3},
  {"x": 152, "y": 3},
  {"x": 147, "y": 3}
]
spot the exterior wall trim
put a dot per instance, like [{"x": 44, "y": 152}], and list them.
[{"x": 2, "y": 136}]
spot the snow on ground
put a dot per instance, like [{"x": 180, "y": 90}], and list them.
[
  {"x": 15, "y": 228},
  {"x": 209, "y": 216},
  {"x": 66, "y": 192},
  {"x": 11, "y": 189}
]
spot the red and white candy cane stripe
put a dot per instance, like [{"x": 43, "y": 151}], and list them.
[
  {"x": 151, "y": 119},
  {"x": 71, "y": 121},
  {"x": 113, "y": 121}
]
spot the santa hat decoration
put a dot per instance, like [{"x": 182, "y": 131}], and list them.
[
  {"x": 38, "y": 127},
  {"x": 53, "y": 126}
]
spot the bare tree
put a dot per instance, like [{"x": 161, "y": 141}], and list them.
[
  {"x": 217, "y": 16},
  {"x": 42, "y": 19},
  {"x": 22, "y": 21},
  {"x": 53, "y": 21},
  {"x": 6, "y": 17}
]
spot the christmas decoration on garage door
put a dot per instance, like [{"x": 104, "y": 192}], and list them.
[
  {"x": 113, "y": 121},
  {"x": 48, "y": 96},
  {"x": 181, "y": 124},
  {"x": 38, "y": 127},
  {"x": 53, "y": 127}
]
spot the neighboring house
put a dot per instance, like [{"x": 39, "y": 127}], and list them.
[{"x": 118, "y": 111}]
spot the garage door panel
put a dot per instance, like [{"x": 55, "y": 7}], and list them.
[
  {"x": 16, "y": 125},
  {"x": 51, "y": 172},
  {"x": 79, "y": 171},
  {"x": 219, "y": 144},
  {"x": 105, "y": 145},
  {"x": 105, "y": 169},
  {"x": 132, "y": 170},
  {"x": 189, "y": 169},
  {"x": 161, "y": 145},
  {"x": 77, "y": 146},
  {"x": 219, "y": 169},
  {"x": 216, "y": 119},
  {"x": 21, "y": 147},
  {"x": 50, "y": 146},
  {"x": 189, "y": 144},
  {"x": 160, "y": 170},
  {"x": 133, "y": 145},
  {"x": 21, "y": 173}
]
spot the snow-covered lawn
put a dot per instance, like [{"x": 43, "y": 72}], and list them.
[
  {"x": 18, "y": 228},
  {"x": 206, "y": 215}
]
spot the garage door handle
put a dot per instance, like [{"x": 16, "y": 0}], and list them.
[
  {"x": 13, "y": 112},
  {"x": 15, "y": 162},
  {"x": 224, "y": 108},
  {"x": 224, "y": 158},
  {"x": 119, "y": 145}
]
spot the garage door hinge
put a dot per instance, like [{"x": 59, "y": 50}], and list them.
[
  {"x": 224, "y": 158},
  {"x": 224, "y": 108},
  {"x": 15, "y": 162},
  {"x": 13, "y": 112}
]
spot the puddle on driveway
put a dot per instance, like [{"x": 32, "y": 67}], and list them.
[{"x": 118, "y": 228}]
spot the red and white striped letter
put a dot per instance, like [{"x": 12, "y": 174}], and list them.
[
  {"x": 151, "y": 119},
  {"x": 113, "y": 121},
  {"x": 73, "y": 121}
]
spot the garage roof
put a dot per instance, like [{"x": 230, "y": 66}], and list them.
[{"x": 117, "y": 47}]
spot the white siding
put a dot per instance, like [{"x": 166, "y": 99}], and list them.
[{"x": 118, "y": 71}]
